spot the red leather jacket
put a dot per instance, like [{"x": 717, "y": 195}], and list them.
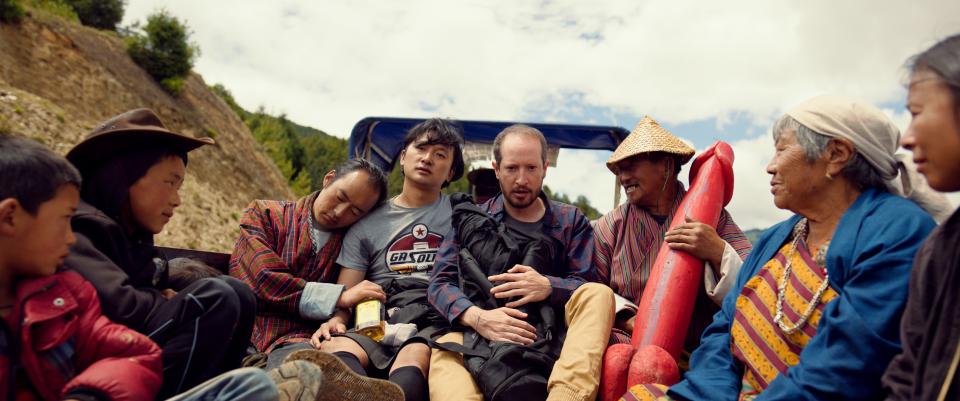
[{"x": 66, "y": 346}]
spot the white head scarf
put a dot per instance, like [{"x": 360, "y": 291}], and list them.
[
  {"x": 873, "y": 134},
  {"x": 875, "y": 138}
]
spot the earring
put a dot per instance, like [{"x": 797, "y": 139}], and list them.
[{"x": 829, "y": 176}]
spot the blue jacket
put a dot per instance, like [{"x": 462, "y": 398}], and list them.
[{"x": 868, "y": 263}]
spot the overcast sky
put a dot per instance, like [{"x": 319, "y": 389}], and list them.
[{"x": 706, "y": 70}]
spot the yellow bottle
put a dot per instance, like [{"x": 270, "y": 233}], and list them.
[{"x": 369, "y": 319}]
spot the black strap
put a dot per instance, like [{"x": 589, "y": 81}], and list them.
[{"x": 470, "y": 271}]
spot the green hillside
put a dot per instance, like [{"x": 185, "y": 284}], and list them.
[
  {"x": 303, "y": 154},
  {"x": 581, "y": 203},
  {"x": 305, "y": 131}
]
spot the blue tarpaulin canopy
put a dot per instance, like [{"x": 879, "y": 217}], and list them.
[{"x": 380, "y": 139}]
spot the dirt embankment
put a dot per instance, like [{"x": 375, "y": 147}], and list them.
[{"x": 58, "y": 80}]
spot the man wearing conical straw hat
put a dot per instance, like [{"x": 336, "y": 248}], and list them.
[{"x": 628, "y": 238}]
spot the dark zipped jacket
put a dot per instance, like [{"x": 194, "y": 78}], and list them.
[
  {"x": 127, "y": 272},
  {"x": 930, "y": 329}
]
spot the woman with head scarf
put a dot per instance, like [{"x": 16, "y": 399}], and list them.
[
  {"x": 815, "y": 310},
  {"x": 133, "y": 167},
  {"x": 930, "y": 330}
]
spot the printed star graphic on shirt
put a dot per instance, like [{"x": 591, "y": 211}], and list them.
[{"x": 414, "y": 251}]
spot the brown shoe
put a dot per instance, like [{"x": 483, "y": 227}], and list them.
[
  {"x": 297, "y": 380},
  {"x": 340, "y": 383}
]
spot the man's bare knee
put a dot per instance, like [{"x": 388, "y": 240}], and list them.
[
  {"x": 415, "y": 354},
  {"x": 345, "y": 344}
]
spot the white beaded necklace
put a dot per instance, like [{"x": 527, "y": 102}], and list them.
[{"x": 799, "y": 231}]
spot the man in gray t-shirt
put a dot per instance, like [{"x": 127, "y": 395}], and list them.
[
  {"x": 395, "y": 247},
  {"x": 396, "y": 242}
]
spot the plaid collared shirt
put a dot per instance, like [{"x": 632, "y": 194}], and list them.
[
  {"x": 561, "y": 221},
  {"x": 275, "y": 256}
]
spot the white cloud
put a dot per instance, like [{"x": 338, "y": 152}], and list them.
[
  {"x": 330, "y": 63},
  {"x": 900, "y": 118},
  {"x": 584, "y": 172},
  {"x": 752, "y": 203}
]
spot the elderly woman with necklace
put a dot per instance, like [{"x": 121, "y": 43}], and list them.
[{"x": 815, "y": 312}]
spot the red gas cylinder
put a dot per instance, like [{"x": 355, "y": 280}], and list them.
[
  {"x": 652, "y": 364},
  {"x": 666, "y": 305},
  {"x": 613, "y": 373}
]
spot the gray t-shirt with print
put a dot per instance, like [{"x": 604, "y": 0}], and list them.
[{"x": 397, "y": 242}]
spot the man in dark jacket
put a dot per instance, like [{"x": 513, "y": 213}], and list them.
[
  {"x": 133, "y": 168},
  {"x": 520, "y": 162}
]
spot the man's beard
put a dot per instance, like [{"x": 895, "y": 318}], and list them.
[{"x": 533, "y": 198}]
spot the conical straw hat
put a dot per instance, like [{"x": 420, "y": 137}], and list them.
[{"x": 649, "y": 136}]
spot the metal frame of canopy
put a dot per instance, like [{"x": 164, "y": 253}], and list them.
[{"x": 379, "y": 139}]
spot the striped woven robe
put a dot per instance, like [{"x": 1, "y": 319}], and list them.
[
  {"x": 627, "y": 240},
  {"x": 275, "y": 256}
]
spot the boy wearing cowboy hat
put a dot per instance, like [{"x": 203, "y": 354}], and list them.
[
  {"x": 628, "y": 238},
  {"x": 132, "y": 168}
]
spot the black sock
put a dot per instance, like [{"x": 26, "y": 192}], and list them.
[
  {"x": 411, "y": 380},
  {"x": 351, "y": 361}
]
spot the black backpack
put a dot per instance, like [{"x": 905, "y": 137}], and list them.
[{"x": 505, "y": 371}]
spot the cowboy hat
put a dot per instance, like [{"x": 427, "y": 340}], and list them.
[{"x": 138, "y": 128}]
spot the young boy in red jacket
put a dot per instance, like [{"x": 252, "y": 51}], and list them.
[{"x": 54, "y": 342}]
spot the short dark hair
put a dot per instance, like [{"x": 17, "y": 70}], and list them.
[
  {"x": 440, "y": 132},
  {"x": 519, "y": 129},
  {"x": 377, "y": 179},
  {"x": 942, "y": 59},
  {"x": 31, "y": 173},
  {"x": 181, "y": 272}
]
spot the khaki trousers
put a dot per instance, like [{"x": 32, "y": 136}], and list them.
[{"x": 576, "y": 374}]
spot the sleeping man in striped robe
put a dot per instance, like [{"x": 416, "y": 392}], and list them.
[{"x": 287, "y": 252}]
